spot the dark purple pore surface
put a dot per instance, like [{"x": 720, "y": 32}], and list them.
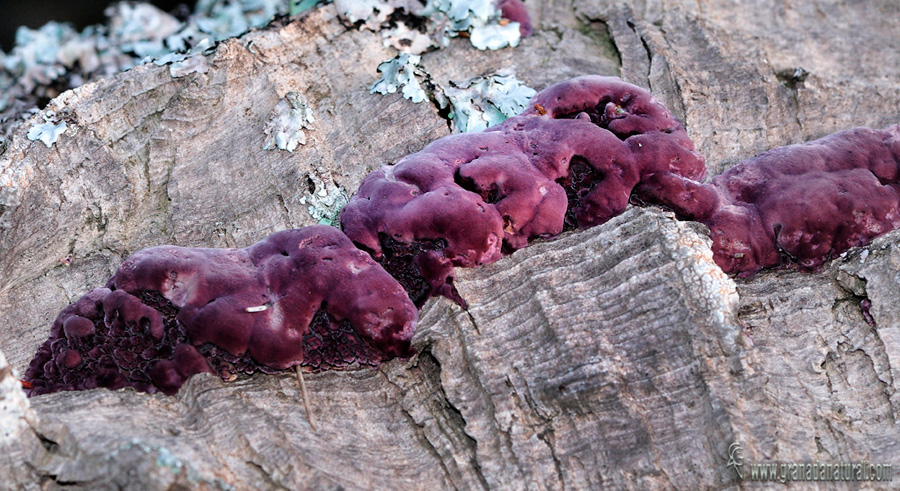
[{"x": 306, "y": 297}]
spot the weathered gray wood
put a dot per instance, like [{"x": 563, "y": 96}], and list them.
[{"x": 618, "y": 356}]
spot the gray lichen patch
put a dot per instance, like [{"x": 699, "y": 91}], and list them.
[
  {"x": 481, "y": 102},
  {"x": 325, "y": 201},
  {"x": 287, "y": 122},
  {"x": 48, "y": 131},
  {"x": 402, "y": 73}
]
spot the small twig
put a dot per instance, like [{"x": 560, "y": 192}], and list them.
[
  {"x": 305, "y": 398},
  {"x": 7, "y": 370}
]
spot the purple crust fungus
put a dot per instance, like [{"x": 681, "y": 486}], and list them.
[
  {"x": 298, "y": 297},
  {"x": 799, "y": 204},
  {"x": 582, "y": 151},
  {"x": 571, "y": 159},
  {"x": 575, "y": 158}
]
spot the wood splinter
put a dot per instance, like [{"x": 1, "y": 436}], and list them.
[{"x": 309, "y": 417}]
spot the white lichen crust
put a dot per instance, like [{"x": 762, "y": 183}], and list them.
[
  {"x": 325, "y": 202},
  {"x": 287, "y": 122},
  {"x": 715, "y": 292}
]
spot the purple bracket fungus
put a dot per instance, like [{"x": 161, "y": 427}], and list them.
[
  {"x": 571, "y": 159},
  {"x": 299, "y": 297}
]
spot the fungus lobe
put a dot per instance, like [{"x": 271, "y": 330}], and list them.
[
  {"x": 299, "y": 297},
  {"x": 805, "y": 204},
  {"x": 571, "y": 159},
  {"x": 582, "y": 151},
  {"x": 515, "y": 11}
]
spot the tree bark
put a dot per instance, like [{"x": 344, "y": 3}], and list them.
[{"x": 617, "y": 356}]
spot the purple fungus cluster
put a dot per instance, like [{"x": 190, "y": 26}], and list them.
[
  {"x": 582, "y": 151},
  {"x": 299, "y": 297},
  {"x": 571, "y": 159},
  {"x": 800, "y": 204},
  {"x": 575, "y": 158}
]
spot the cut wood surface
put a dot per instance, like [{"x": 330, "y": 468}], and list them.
[{"x": 617, "y": 356}]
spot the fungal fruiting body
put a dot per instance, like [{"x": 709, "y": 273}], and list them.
[
  {"x": 580, "y": 152},
  {"x": 571, "y": 159},
  {"x": 299, "y": 297},
  {"x": 802, "y": 204}
]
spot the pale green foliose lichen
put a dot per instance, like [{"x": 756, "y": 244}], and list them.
[
  {"x": 475, "y": 104},
  {"x": 228, "y": 18},
  {"x": 48, "y": 131},
  {"x": 325, "y": 202},
  {"x": 463, "y": 14},
  {"x": 34, "y": 60},
  {"x": 141, "y": 28},
  {"x": 287, "y": 122},
  {"x": 482, "y": 102},
  {"x": 399, "y": 73},
  {"x": 479, "y": 18},
  {"x": 370, "y": 13}
]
